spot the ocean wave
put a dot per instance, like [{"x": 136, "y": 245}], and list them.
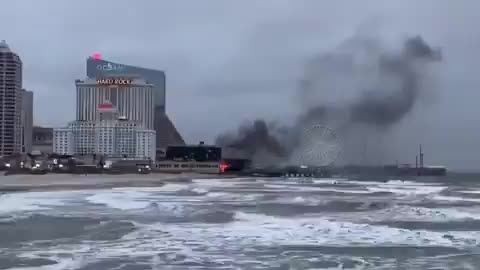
[
  {"x": 455, "y": 199},
  {"x": 31, "y": 201},
  {"x": 475, "y": 192},
  {"x": 258, "y": 230},
  {"x": 119, "y": 200},
  {"x": 242, "y": 224},
  {"x": 39, "y": 227},
  {"x": 139, "y": 198},
  {"x": 323, "y": 231},
  {"x": 407, "y": 190},
  {"x": 169, "y": 187},
  {"x": 397, "y": 213},
  {"x": 109, "y": 230},
  {"x": 191, "y": 191},
  {"x": 180, "y": 213}
]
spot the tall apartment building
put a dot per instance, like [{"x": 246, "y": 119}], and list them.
[
  {"x": 27, "y": 121},
  {"x": 10, "y": 101}
]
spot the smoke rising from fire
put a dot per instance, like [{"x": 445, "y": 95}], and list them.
[{"x": 359, "y": 89}]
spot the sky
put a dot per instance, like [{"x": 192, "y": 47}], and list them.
[{"x": 231, "y": 61}]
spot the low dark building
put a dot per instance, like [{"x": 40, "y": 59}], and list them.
[
  {"x": 42, "y": 139},
  {"x": 200, "y": 152}
]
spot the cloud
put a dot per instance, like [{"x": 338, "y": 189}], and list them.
[{"x": 227, "y": 59}]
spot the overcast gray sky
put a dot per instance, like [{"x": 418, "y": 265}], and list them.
[{"x": 227, "y": 61}]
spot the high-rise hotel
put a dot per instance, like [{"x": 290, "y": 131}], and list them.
[
  {"x": 167, "y": 134},
  {"x": 132, "y": 97},
  {"x": 109, "y": 135},
  {"x": 115, "y": 117}
]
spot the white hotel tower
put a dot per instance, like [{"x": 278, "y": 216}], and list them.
[
  {"x": 109, "y": 135},
  {"x": 115, "y": 118},
  {"x": 133, "y": 100}
]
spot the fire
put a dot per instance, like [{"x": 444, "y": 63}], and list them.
[{"x": 223, "y": 166}]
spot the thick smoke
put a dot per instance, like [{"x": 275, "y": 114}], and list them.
[
  {"x": 388, "y": 110},
  {"x": 252, "y": 138},
  {"x": 383, "y": 88}
]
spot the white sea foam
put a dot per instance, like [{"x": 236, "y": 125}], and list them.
[
  {"x": 299, "y": 199},
  {"x": 330, "y": 181},
  {"x": 454, "y": 199},
  {"x": 364, "y": 183},
  {"x": 438, "y": 214},
  {"x": 469, "y": 191},
  {"x": 220, "y": 182},
  {"x": 249, "y": 229},
  {"x": 391, "y": 183},
  {"x": 172, "y": 209},
  {"x": 410, "y": 213},
  {"x": 17, "y": 202},
  {"x": 119, "y": 200},
  {"x": 254, "y": 229},
  {"x": 394, "y": 186},
  {"x": 137, "y": 198},
  {"x": 164, "y": 188},
  {"x": 334, "y": 188},
  {"x": 323, "y": 231},
  {"x": 81, "y": 256},
  {"x": 31, "y": 201},
  {"x": 407, "y": 189},
  {"x": 337, "y": 190},
  {"x": 409, "y": 183},
  {"x": 222, "y": 240},
  {"x": 278, "y": 186},
  {"x": 220, "y": 195},
  {"x": 229, "y": 197},
  {"x": 61, "y": 264},
  {"x": 200, "y": 190}
]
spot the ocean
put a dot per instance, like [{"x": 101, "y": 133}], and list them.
[{"x": 247, "y": 223}]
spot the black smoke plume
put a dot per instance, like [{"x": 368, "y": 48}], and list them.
[
  {"x": 254, "y": 137},
  {"x": 385, "y": 86},
  {"x": 388, "y": 110}
]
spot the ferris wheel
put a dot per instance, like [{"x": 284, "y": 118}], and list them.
[{"x": 319, "y": 146}]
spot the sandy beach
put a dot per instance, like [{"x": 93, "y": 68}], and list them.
[{"x": 16, "y": 183}]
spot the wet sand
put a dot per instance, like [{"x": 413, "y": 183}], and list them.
[{"x": 17, "y": 183}]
